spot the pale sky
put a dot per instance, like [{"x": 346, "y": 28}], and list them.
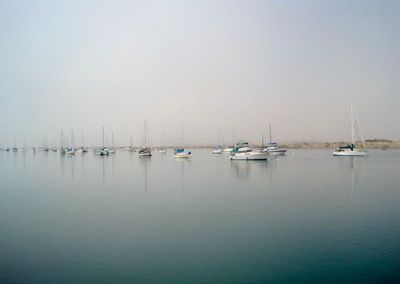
[{"x": 208, "y": 65}]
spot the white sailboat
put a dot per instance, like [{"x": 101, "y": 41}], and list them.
[
  {"x": 350, "y": 149},
  {"x": 145, "y": 151},
  {"x": 62, "y": 148},
  {"x": 217, "y": 150},
  {"x": 15, "y": 149},
  {"x": 71, "y": 150},
  {"x": 272, "y": 148},
  {"x": 102, "y": 151},
  {"x": 229, "y": 149},
  {"x": 179, "y": 152},
  {"x": 162, "y": 149},
  {"x": 111, "y": 149},
  {"x": 23, "y": 149},
  {"x": 131, "y": 148},
  {"x": 83, "y": 148}
]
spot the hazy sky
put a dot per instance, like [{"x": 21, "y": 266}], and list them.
[{"x": 207, "y": 64}]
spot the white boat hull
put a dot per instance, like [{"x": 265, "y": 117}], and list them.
[
  {"x": 216, "y": 151},
  {"x": 350, "y": 153},
  {"x": 182, "y": 155},
  {"x": 250, "y": 156},
  {"x": 277, "y": 152}
]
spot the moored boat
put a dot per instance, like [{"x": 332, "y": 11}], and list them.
[
  {"x": 180, "y": 153},
  {"x": 351, "y": 149},
  {"x": 217, "y": 150},
  {"x": 145, "y": 151},
  {"x": 243, "y": 151},
  {"x": 272, "y": 148}
]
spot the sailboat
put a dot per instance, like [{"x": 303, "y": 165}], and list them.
[
  {"x": 83, "y": 148},
  {"x": 180, "y": 152},
  {"x": 229, "y": 149},
  {"x": 272, "y": 148},
  {"x": 162, "y": 149},
  {"x": 7, "y": 149},
  {"x": 62, "y": 148},
  {"x": 71, "y": 150},
  {"x": 131, "y": 148},
  {"x": 23, "y": 149},
  {"x": 15, "y": 149},
  {"x": 54, "y": 148},
  {"x": 111, "y": 149},
  {"x": 102, "y": 151},
  {"x": 217, "y": 150},
  {"x": 350, "y": 149},
  {"x": 145, "y": 151}
]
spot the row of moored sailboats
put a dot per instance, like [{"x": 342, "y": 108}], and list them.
[{"x": 240, "y": 151}]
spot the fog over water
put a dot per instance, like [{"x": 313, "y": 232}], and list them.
[{"x": 208, "y": 65}]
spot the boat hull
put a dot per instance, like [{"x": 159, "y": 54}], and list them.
[
  {"x": 182, "y": 155},
  {"x": 144, "y": 154},
  {"x": 349, "y": 154},
  {"x": 277, "y": 152},
  {"x": 250, "y": 156}
]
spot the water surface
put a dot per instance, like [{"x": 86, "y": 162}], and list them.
[{"x": 307, "y": 217}]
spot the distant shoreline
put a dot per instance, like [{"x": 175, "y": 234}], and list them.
[
  {"x": 370, "y": 144},
  {"x": 329, "y": 145}
]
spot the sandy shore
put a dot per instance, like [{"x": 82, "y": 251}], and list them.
[{"x": 381, "y": 144}]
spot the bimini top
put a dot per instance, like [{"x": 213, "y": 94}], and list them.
[{"x": 349, "y": 146}]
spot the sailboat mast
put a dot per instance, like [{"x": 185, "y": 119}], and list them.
[
  {"x": 270, "y": 134},
  {"x": 145, "y": 133},
  {"x": 62, "y": 139},
  {"x": 72, "y": 139},
  {"x": 262, "y": 140},
  {"x": 112, "y": 139},
  {"x": 357, "y": 128},
  {"x": 233, "y": 135},
  {"x": 352, "y": 124},
  {"x": 222, "y": 136},
  {"x": 183, "y": 134},
  {"x": 103, "y": 137}
]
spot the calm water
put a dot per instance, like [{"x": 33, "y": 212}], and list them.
[{"x": 307, "y": 217}]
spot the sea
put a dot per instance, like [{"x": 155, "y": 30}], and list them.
[{"x": 306, "y": 217}]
